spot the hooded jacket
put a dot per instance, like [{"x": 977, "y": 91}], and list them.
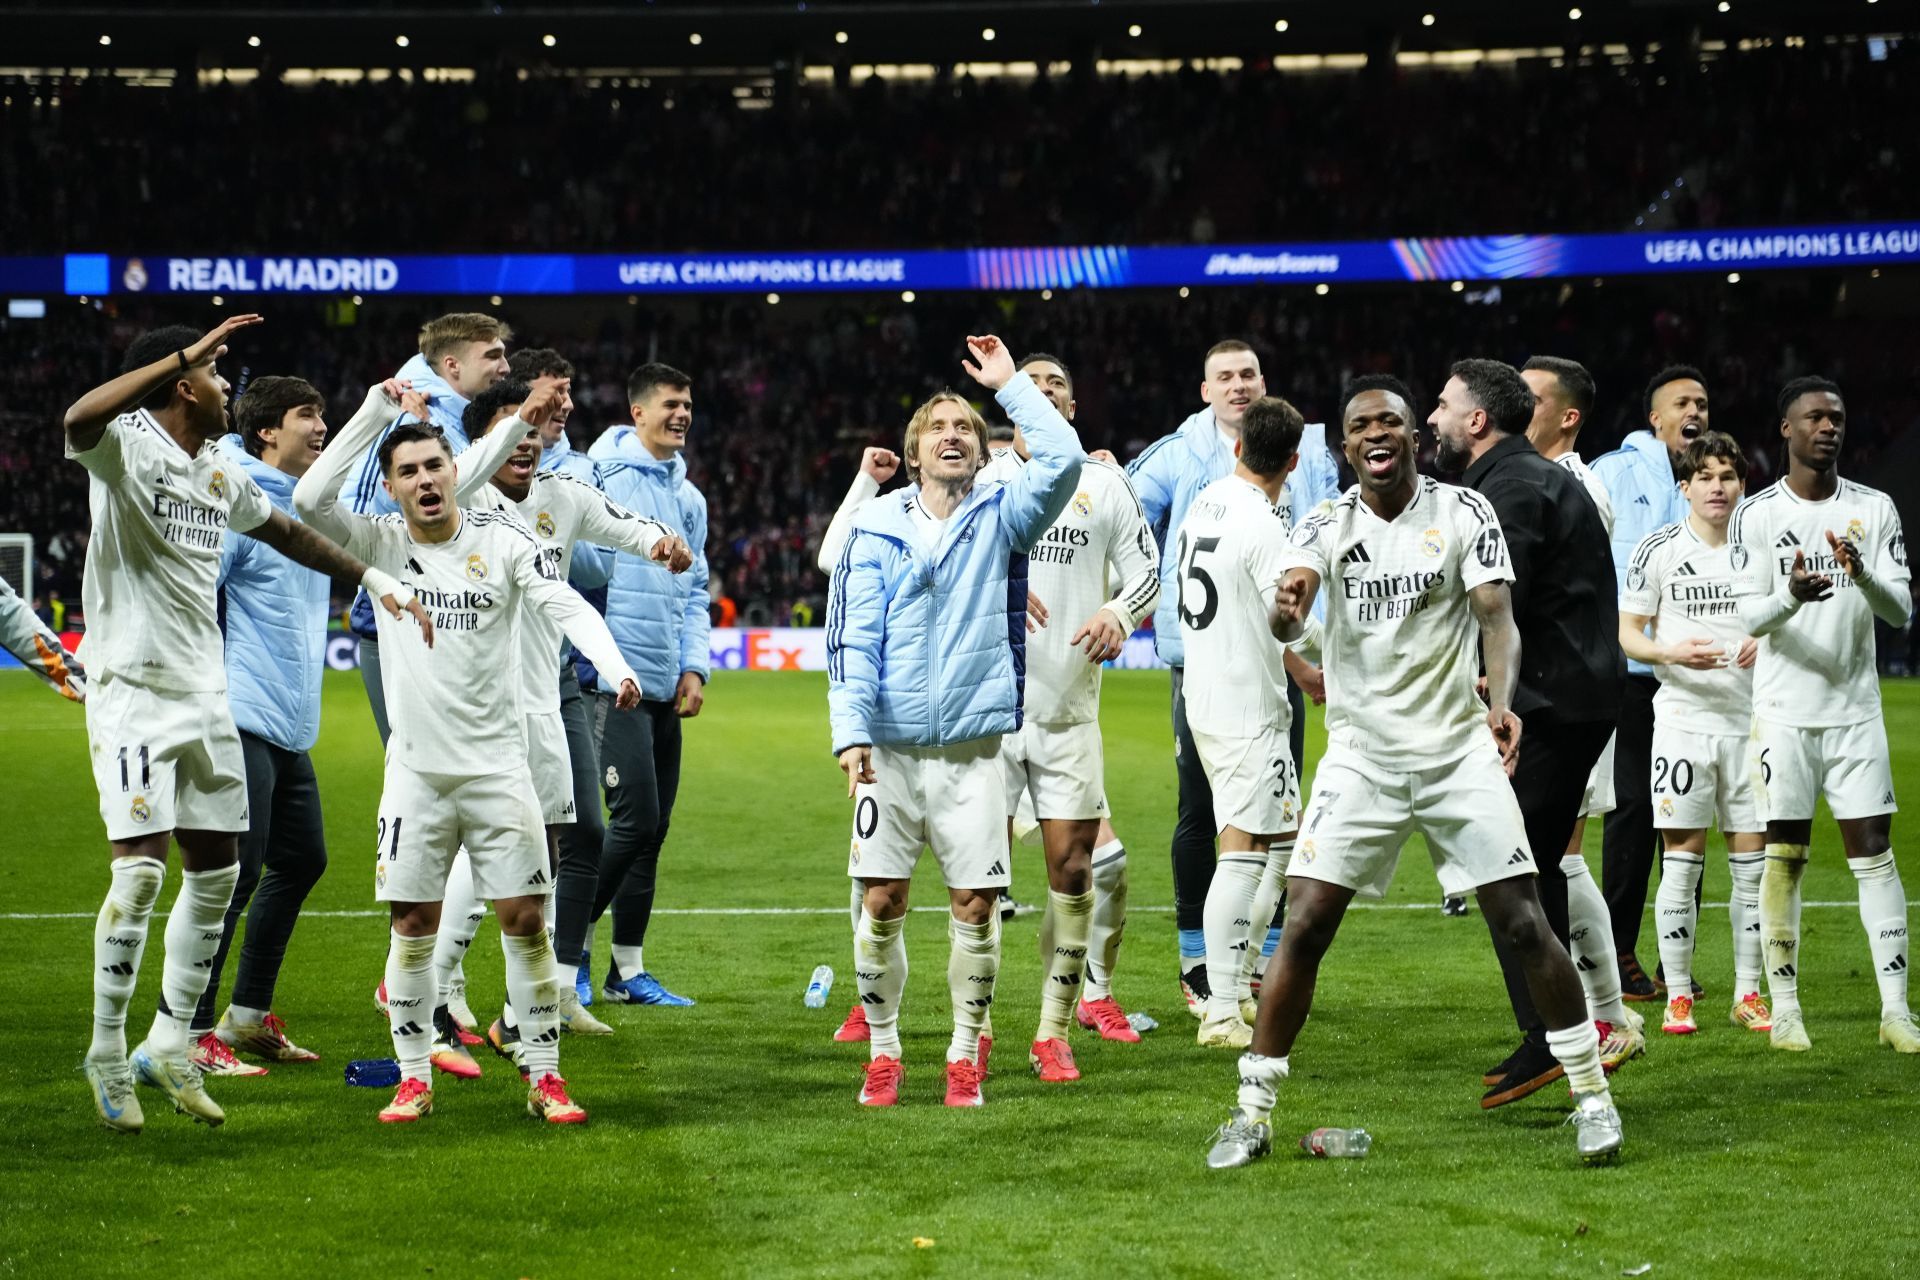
[
  {"x": 929, "y": 648},
  {"x": 658, "y": 619},
  {"x": 1176, "y": 467},
  {"x": 276, "y": 611},
  {"x": 1638, "y": 478}
]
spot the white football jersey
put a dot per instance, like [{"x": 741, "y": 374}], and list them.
[
  {"x": 559, "y": 511},
  {"x": 1595, "y": 490},
  {"x": 1232, "y": 549},
  {"x": 1402, "y": 647},
  {"x": 153, "y": 563},
  {"x": 1686, "y": 587},
  {"x": 1102, "y": 535},
  {"x": 457, "y": 708},
  {"x": 1817, "y": 670}
]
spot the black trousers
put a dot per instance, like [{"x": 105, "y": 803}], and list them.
[
  {"x": 1550, "y": 782},
  {"x": 640, "y": 756},
  {"x": 1630, "y": 846},
  {"x": 581, "y": 842},
  {"x": 282, "y": 856},
  {"x": 376, "y": 692},
  {"x": 1194, "y": 829}
]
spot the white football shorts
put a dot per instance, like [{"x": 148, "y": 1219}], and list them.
[
  {"x": 551, "y": 765},
  {"x": 425, "y": 818},
  {"x": 1702, "y": 780},
  {"x": 1792, "y": 766},
  {"x": 1361, "y": 814},
  {"x": 1600, "y": 798},
  {"x": 1255, "y": 786},
  {"x": 952, "y": 800},
  {"x": 164, "y": 760},
  {"x": 1060, "y": 768}
]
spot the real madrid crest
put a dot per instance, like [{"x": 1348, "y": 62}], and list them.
[
  {"x": 217, "y": 484},
  {"x": 1432, "y": 543},
  {"x": 140, "y": 811},
  {"x": 1856, "y": 532},
  {"x": 544, "y": 523},
  {"x": 476, "y": 568},
  {"x": 1082, "y": 504}
]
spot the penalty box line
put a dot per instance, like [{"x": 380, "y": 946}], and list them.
[{"x": 828, "y": 911}]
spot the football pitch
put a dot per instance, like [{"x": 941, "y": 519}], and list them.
[{"x": 725, "y": 1139}]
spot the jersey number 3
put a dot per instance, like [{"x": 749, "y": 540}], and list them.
[{"x": 1195, "y": 581}]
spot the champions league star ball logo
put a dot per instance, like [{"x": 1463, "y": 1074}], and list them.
[
  {"x": 544, "y": 524},
  {"x": 217, "y": 485},
  {"x": 476, "y": 568},
  {"x": 1082, "y": 504},
  {"x": 1432, "y": 543},
  {"x": 140, "y": 811}
]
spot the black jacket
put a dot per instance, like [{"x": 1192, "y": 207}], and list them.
[{"x": 1565, "y": 600}]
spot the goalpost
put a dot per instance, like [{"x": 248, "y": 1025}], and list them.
[{"x": 16, "y": 562}]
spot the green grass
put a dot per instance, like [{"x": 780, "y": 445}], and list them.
[{"x": 725, "y": 1139}]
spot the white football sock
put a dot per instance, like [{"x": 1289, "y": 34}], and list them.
[
  {"x": 857, "y": 903},
  {"x": 1266, "y": 901},
  {"x": 119, "y": 940},
  {"x": 1109, "y": 919},
  {"x": 1590, "y": 942},
  {"x": 194, "y": 927},
  {"x": 1743, "y": 907},
  {"x": 410, "y": 1001},
  {"x": 1883, "y": 911},
  {"x": 1227, "y": 920},
  {"x": 880, "y": 977},
  {"x": 535, "y": 994},
  {"x": 461, "y": 914},
  {"x": 1260, "y": 1078},
  {"x": 973, "y": 962},
  {"x": 1676, "y": 918},
  {"x": 630, "y": 961},
  {"x": 1066, "y": 959},
  {"x": 1577, "y": 1048},
  {"x": 1780, "y": 923},
  {"x": 241, "y": 1016}
]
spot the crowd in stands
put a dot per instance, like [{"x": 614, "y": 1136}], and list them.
[
  {"x": 786, "y": 396},
  {"x": 1808, "y": 134}
]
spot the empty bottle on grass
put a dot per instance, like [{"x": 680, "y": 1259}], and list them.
[
  {"x": 1348, "y": 1144},
  {"x": 819, "y": 987}
]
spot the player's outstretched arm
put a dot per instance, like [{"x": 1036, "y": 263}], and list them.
[
  {"x": 87, "y": 417},
  {"x": 474, "y": 466},
  {"x": 317, "y": 496},
  {"x": 606, "y": 523},
  {"x": 1292, "y": 601},
  {"x": 39, "y": 650},
  {"x": 1492, "y": 604},
  {"x": 877, "y": 466},
  {"x": 303, "y": 545},
  {"x": 1040, "y": 492},
  {"x": 582, "y": 624}
]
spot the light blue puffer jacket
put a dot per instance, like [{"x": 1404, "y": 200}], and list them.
[
  {"x": 276, "y": 625},
  {"x": 1176, "y": 467},
  {"x": 1638, "y": 478},
  {"x": 363, "y": 491},
  {"x": 929, "y": 651},
  {"x": 659, "y": 619}
]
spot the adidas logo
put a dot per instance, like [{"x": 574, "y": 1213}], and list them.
[
  {"x": 1641, "y": 500},
  {"x": 1687, "y": 569},
  {"x": 1519, "y": 856},
  {"x": 204, "y": 964},
  {"x": 124, "y": 969},
  {"x": 1787, "y": 539},
  {"x": 548, "y": 1036},
  {"x": 872, "y": 997},
  {"x": 538, "y": 877},
  {"x": 998, "y": 868},
  {"x": 409, "y": 1028},
  {"x": 980, "y": 1003},
  {"x": 1067, "y": 979},
  {"x": 1896, "y": 965},
  {"x": 1357, "y": 554},
  {"x": 1887, "y": 798},
  {"x": 1678, "y": 935},
  {"x": 1786, "y": 971},
  {"x": 1754, "y": 927},
  {"x": 413, "y": 566},
  {"x": 1585, "y": 964}
]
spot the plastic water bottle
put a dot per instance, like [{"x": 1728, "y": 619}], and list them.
[
  {"x": 1142, "y": 1022},
  {"x": 1340, "y": 1144},
  {"x": 819, "y": 987},
  {"x": 373, "y": 1073}
]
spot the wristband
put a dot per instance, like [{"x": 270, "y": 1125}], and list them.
[{"x": 182, "y": 356}]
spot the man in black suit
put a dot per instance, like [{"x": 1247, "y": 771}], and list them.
[{"x": 1571, "y": 669}]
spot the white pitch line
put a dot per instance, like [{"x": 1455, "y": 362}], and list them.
[{"x": 815, "y": 911}]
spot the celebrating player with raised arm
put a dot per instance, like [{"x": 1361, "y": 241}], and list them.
[
  {"x": 1416, "y": 573},
  {"x": 166, "y": 755},
  {"x": 925, "y": 633},
  {"x": 1816, "y": 559},
  {"x": 456, "y": 770},
  {"x": 561, "y": 510}
]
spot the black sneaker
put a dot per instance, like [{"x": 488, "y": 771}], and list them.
[
  {"x": 1635, "y": 986},
  {"x": 1498, "y": 1071},
  {"x": 1456, "y": 907},
  {"x": 1195, "y": 990},
  {"x": 1532, "y": 1067},
  {"x": 1011, "y": 907}
]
